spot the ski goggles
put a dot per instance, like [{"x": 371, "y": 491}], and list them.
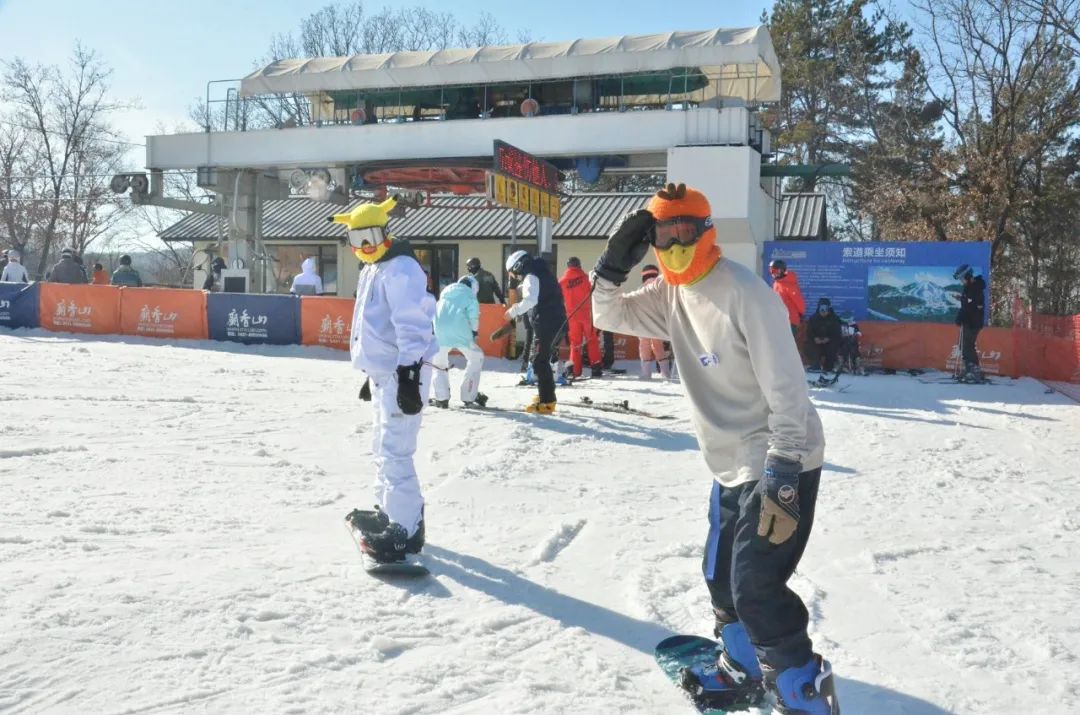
[
  {"x": 681, "y": 230},
  {"x": 372, "y": 236}
]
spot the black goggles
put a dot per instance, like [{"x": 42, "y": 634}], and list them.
[{"x": 682, "y": 230}]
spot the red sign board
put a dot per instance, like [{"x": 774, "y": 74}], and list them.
[{"x": 523, "y": 166}]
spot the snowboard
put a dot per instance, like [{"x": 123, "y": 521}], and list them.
[
  {"x": 411, "y": 566},
  {"x": 677, "y": 653}
]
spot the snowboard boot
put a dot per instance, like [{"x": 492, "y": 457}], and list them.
[
  {"x": 597, "y": 370},
  {"x": 387, "y": 546},
  {"x": 972, "y": 374},
  {"x": 536, "y": 407},
  {"x": 480, "y": 401},
  {"x": 734, "y": 680},
  {"x": 441, "y": 404},
  {"x": 415, "y": 543},
  {"x": 529, "y": 378},
  {"x": 806, "y": 690},
  {"x": 368, "y": 521}
]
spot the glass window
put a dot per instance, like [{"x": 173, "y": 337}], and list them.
[
  {"x": 441, "y": 265},
  {"x": 285, "y": 261}
]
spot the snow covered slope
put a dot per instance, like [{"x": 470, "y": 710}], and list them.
[{"x": 171, "y": 539}]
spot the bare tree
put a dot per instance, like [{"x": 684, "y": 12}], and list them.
[{"x": 62, "y": 132}]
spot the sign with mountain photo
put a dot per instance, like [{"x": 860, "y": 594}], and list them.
[{"x": 902, "y": 282}]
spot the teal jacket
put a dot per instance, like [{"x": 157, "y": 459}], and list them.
[
  {"x": 126, "y": 276},
  {"x": 457, "y": 315}
]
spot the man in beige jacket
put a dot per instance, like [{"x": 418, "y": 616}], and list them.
[{"x": 758, "y": 431}]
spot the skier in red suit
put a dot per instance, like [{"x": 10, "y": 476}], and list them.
[{"x": 576, "y": 290}]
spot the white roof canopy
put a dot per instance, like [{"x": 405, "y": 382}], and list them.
[{"x": 741, "y": 60}]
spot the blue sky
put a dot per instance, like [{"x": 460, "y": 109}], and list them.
[{"x": 163, "y": 53}]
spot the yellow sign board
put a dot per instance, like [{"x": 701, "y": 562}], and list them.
[{"x": 521, "y": 196}]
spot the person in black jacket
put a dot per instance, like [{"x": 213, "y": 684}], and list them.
[
  {"x": 970, "y": 318},
  {"x": 823, "y": 336},
  {"x": 542, "y": 300}
]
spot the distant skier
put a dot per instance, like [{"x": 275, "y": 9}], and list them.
[
  {"x": 542, "y": 300},
  {"x": 66, "y": 270},
  {"x": 786, "y": 285},
  {"x": 489, "y": 290},
  {"x": 823, "y": 337},
  {"x": 14, "y": 271},
  {"x": 576, "y": 288},
  {"x": 970, "y": 317},
  {"x": 761, "y": 438},
  {"x": 652, "y": 351},
  {"x": 391, "y": 337},
  {"x": 849, "y": 354},
  {"x": 307, "y": 281},
  {"x": 125, "y": 275},
  {"x": 100, "y": 277},
  {"x": 457, "y": 320}
]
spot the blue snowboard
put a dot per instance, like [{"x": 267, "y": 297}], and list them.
[{"x": 675, "y": 655}]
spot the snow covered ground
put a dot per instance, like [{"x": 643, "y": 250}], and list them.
[{"x": 171, "y": 539}]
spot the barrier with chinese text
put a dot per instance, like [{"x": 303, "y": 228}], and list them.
[
  {"x": 80, "y": 308},
  {"x": 253, "y": 319},
  {"x": 163, "y": 313},
  {"x": 19, "y": 305}
]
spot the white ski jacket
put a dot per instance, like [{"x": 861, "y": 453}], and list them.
[
  {"x": 738, "y": 364},
  {"x": 393, "y": 317},
  {"x": 15, "y": 272}
]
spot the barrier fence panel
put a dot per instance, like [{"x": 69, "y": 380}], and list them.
[
  {"x": 163, "y": 313},
  {"x": 252, "y": 318},
  {"x": 80, "y": 308},
  {"x": 19, "y": 305},
  {"x": 326, "y": 321}
]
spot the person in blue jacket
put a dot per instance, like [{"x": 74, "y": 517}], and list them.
[{"x": 457, "y": 320}]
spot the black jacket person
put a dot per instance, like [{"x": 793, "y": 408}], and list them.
[
  {"x": 823, "y": 336},
  {"x": 971, "y": 314},
  {"x": 542, "y": 301}
]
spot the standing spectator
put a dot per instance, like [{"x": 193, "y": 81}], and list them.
[
  {"x": 490, "y": 292},
  {"x": 824, "y": 336},
  {"x": 213, "y": 276},
  {"x": 125, "y": 275},
  {"x": 576, "y": 290},
  {"x": 99, "y": 277},
  {"x": 970, "y": 318},
  {"x": 849, "y": 346},
  {"x": 67, "y": 270},
  {"x": 652, "y": 350},
  {"x": 14, "y": 271},
  {"x": 786, "y": 285},
  {"x": 307, "y": 282}
]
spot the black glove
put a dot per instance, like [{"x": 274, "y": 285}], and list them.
[
  {"x": 626, "y": 246},
  {"x": 475, "y": 335},
  {"x": 365, "y": 391},
  {"x": 408, "y": 388},
  {"x": 779, "y": 492}
]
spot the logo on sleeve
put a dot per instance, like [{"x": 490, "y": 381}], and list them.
[{"x": 709, "y": 359}]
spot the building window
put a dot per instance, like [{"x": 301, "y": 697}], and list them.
[
  {"x": 441, "y": 265},
  {"x": 552, "y": 259},
  {"x": 285, "y": 262}
]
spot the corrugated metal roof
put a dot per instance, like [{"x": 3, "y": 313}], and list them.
[
  {"x": 802, "y": 216},
  {"x": 447, "y": 217}
]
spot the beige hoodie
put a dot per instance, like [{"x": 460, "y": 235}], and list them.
[{"x": 737, "y": 361}]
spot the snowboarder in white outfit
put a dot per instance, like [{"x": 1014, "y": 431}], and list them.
[
  {"x": 14, "y": 271},
  {"x": 457, "y": 320},
  {"x": 390, "y": 341},
  {"x": 307, "y": 281}
]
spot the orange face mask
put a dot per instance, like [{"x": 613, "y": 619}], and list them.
[{"x": 683, "y": 263}]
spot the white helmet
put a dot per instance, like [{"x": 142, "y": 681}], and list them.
[{"x": 516, "y": 262}]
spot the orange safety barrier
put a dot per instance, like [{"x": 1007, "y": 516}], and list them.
[
  {"x": 326, "y": 321},
  {"x": 492, "y": 317},
  {"x": 80, "y": 308},
  {"x": 163, "y": 313}
]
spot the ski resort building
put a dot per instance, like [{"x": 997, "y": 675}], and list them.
[{"x": 296, "y": 140}]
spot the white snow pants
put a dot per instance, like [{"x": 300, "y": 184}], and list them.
[
  {"x": 393, "y": 443},
  {"x": 474, "y": 363}
]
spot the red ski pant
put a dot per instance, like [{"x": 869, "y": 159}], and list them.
[{"x": 582, "y": 330}]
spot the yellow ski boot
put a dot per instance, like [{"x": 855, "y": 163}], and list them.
[{"x": 540, "y": 408}]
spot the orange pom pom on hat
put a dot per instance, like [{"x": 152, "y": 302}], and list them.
[{"x": 683, "y": 265}]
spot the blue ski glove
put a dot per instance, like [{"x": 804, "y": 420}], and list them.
[
  {"x": 408, "y": 388},
  {"x": 626, "y": 246},
  {"x": 779, "y": 492}
]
